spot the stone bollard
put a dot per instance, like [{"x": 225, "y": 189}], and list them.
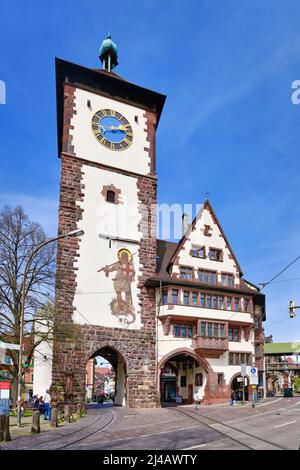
[
  {"x": 54, "y": 417},
  {"x": 1, "y": 429},
  {"x": 36, "y": 419},
  {"x": 79, "y": 409},
  {"x": 67, "y": 413},
  {"x": 4, "y": 429}
]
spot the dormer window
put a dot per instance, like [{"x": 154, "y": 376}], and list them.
[
  {"x": 198, "y": 251},
  {"x": 111, "y": 196},
  {"x": 186, "y": 272},
  {"x": 215, "y": 254}
]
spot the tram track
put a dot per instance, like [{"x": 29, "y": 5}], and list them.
[
  {"x": 212, "y": 422},
  {"x": 112, "y": 418},
  {"x": 50, "y": 443}
]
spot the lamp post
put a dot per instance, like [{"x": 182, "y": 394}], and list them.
[{"x": 73, "y": 233}]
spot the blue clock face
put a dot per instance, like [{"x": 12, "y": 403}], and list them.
[{"x": 112, "y": 129}]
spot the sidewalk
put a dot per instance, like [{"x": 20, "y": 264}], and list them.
[{"x": 25, "y": 429}]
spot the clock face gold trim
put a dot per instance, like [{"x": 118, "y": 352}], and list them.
[{"x": 112, "y": 129}]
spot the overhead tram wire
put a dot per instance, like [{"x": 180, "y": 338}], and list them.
[{"x": 265, "y": 284}]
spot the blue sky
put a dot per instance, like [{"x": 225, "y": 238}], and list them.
[{"x": 228, "y": 127}]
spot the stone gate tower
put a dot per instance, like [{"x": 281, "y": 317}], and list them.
[{"x": 106, "y": 139}]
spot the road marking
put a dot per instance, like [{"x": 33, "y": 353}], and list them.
[
  {"x": 142, "y": 435},
  {"x": 194, "y": 447},
  {"x": 285, "y": 424},
  {"x": 172, "y": 430}
]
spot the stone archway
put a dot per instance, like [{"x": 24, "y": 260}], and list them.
[
  {"x": 119, "y": 365},
  {"x": 211, "y": 390},
  {"x": 231, "y": 383}
]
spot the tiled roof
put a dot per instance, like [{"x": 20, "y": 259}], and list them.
[{"x": 165, "y": 251}]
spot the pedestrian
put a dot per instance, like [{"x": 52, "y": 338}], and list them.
[
  {"x": 233, "y": 398},
  {"x": 196, "y": 399},
  {"x": 47, "y": 405},
  {"x": 36, "y": 402}
]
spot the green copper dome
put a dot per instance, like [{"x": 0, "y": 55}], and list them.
[{"x": 109, "y": 53}]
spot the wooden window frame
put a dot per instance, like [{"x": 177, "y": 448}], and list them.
[
  {"x": 190, "y": 269},
  {"x": 239, "y": 334},
  {"x": 212, "y": 326},
  {"x": 218, "y": 250},
  {"x": 183, "y": 378},
  {"x": 187, "y": 324},
  {"x": 238, "y": 354},
  {"x": 198, "y": 379},
  {"x": 209, "y": 272},
  {"x": 198, "y": 248},
  {"x": 220, "y": 375}
]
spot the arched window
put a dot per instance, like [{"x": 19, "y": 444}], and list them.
[{"x": 111, "y": 196}]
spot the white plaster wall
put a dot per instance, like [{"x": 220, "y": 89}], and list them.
[
  {"x": 42, "y": 371},
  {"x": 94, "y": 290},
  {"x": 216, "y": 240},
  {"x": 135, "y": 158},
  {"x": 190, "y": 373}
]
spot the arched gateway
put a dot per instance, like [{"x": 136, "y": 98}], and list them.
[
  {"x": 106, "y": 136},
  {"x": 182, "y": 372},
  {"x": 119, "y": 372}
]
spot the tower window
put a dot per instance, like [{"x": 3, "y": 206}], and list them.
[{"x": 111, "y": 196}]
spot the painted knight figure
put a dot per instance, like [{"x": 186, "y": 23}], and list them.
[{"x": 122, "y": 305}]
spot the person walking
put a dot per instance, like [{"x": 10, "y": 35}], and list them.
[
  {"x": 233, "y": 398},
  {"x": 47, "y": 405},
  {"x": 196, "y": 399}
]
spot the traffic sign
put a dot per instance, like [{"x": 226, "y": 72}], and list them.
[
  {"x": 4, "y": 385},
  {"x": 253, "y": 376}
]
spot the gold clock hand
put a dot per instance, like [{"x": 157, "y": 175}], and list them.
[{"x": 119, "y": 128}]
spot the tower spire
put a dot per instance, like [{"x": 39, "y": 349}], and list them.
[{"x": 108, "y": 53}]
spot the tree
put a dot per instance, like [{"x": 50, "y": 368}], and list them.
[{"x": 18, "y": 238}]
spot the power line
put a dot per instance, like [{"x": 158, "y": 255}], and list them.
[
  {"x": 264, "y": 284},
  {"x": 286, "y": 280}
]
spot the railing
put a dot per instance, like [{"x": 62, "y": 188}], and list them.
[{"x": 282, "y": 366}]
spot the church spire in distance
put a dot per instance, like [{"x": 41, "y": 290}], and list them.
[{"x": 108, "y": 54}]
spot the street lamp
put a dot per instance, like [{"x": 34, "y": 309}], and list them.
[{"x": 73, "y": 233}]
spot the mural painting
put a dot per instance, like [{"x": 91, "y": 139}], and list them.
[{"x": 122, "y": 305}]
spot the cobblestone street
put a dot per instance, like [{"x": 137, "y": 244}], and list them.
[{"x": 210, "y": 427}]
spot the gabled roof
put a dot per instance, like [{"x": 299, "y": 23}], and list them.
[
  {"x": 164, "y": 252},
  {"x": 208, "y": 206}
]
